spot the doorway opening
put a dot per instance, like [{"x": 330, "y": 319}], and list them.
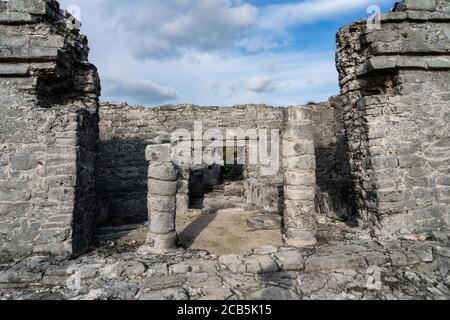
[{"x": 218, "y": 217}]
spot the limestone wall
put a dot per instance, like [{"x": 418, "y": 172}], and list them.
[
  {"x": 125, "y": 132},
  {"x": 334, "y": 196},
  {"x": 395, "y": 89},
  {"x": 48, "y": 132},
  {"x": 380, "y": 151}
]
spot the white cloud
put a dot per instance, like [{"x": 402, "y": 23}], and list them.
[
  {"x": 138, "y": 90},
  {"x": 280, "y": 16},
  {"x": 208, "y": 43},
  {"x": 168, "y": 28},
  {"x": 260, "y": 84}
]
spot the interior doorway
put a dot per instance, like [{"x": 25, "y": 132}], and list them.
[{"x": 218, "y": 217}]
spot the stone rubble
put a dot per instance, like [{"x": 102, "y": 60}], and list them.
[
  {"x": 355, "y": 270},
  {"x": 361, "y": 194}
]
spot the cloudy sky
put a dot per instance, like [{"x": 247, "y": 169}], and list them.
[{"x": 216, "y": 52}]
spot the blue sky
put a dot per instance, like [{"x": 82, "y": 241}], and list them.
[{"x": 217, "y": 52}]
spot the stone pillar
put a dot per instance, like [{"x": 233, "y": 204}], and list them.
[
  {"x": 299, "y": 180},
  {"x": 394, "y": 86},
  {"x": 183, "y": 192},
  {"x": 162, "y": 190},
  {"x": 48, "y": 132}
]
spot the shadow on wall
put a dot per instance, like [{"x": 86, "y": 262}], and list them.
[
  {"x": 205, "y": 180},
  {"x": 334, "y": 195},
  {"x": 122, "y": 181},
  {"x": 85, "y": 215}
]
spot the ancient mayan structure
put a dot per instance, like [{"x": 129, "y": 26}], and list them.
[{"x": 377, "y": 156}]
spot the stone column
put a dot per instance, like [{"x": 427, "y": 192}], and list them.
[
  {"x": 183, "y": 192},
  {"x": 162, "y": 190},
  {"x": 299, "y": 180}
]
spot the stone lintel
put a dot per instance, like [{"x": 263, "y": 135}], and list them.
[{"x": 381, "y": 63}]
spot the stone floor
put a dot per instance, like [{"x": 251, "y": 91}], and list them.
[
  {"x": 352, "y": 268},
  {"x": 224, "y": 231}
]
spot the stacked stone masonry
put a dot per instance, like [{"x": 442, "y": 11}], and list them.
[
  {"x": 48, "y": 132},
  {"x": 395, "y": 89},
  {"x": 125, "y": 131},
  {"x": 377, "y": 156},
  {"x": 162, "y": 191},
  {"x": 299, "y": 180}
]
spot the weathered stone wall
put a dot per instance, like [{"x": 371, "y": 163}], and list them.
[
  {"x": 48, "y": 132},
  {"x": 125, "y": 132},
  {"x": 395, "y": 89},
  {"x": 333, "y": 181},
  {"x": 379, "y": 152}
]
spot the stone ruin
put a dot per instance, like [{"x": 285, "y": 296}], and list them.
[{"x": 377, "y": 156}]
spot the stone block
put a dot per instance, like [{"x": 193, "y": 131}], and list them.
[
  {"x": 38, "y": 53},
  {"x": 300, "y": 178},
  {"x": 162, "y": 188},
  {"x": 162, "y": 223},
  {"x": 290, "y": 260},
  {"x": 299, "y": 193},
  {"x": 164, "y": 282},
  {"x": 220, "y": 294},
  {"x": 252, "y": 265},
  {"x": 160, "y": 243},
  {"x": 299, "y": 163},
  {"x": 166, "y": 204},
  {"x": 19, "y": 276},
  {"x": 233, "y": 262},
  {"x": 13, "y": 70},
  {"x": 420, "y": 5},
  {"x": 38, "y": 7},
  {"x": 15, "y": 209},
  {"x": 54, "y": 281},
  {"x": 267, "y": 249},
  {"x": 23, "y": 161},
  {"x": 158, "y": 153},
  {"x": 15, "y": 18},
  {"x": 336, "y": 261},
  {"x": 295, "y": 207},
  {"x": 297, "y": 133},
  {"x": 193, "y": 266},
  {"x": 157, "y": 270},
  {"x": 260, "y": 264},
  {"x": 267, "y": 264},
  {"x": 14, "y": 196},
  {"x": 183, "y": 186},
  {"x": 299, "y": 238},
  {"x": 297, "y": 148},
  {"x": 182, "y": 204},
  {"x": 177, "y": 293},
  {"x": 162, "y": 171}
]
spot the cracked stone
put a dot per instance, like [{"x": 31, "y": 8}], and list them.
[{"x": 290, "y": 260}]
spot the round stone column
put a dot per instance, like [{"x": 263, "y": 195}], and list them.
[
  {"x": 299, "y": 166},
  {"x": 162, "y": 191},
  {"x": 183, "y": 193}
]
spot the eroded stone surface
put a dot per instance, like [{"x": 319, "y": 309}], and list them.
[
  {"x": 354, "y": 270},
  {"x": 375, "y": 158}
]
